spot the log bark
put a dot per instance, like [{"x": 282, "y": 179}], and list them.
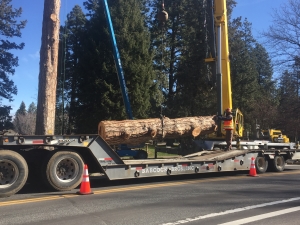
[{"x": 135, "y": 132}]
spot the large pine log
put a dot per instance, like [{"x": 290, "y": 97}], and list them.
[{"x": 135, "y": 132}]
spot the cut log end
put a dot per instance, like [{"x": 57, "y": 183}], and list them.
[
  {"x": 153, "y": 133},
  {"x": 196, "y": 132}
]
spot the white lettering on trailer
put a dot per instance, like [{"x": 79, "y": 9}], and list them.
[
  {"x": 107, "y": 161},
  {"x": 164, "y": 169}
]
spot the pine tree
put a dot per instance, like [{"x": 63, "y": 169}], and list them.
[
  {"x": 289, "y": 103},
  {"x": 264, "y": 67},
  {"x": 10, "y": 27},
  {"x": 5, "y": 118},
  {"x": 266, "y": 100},
  {"x": 24, "y": 120},
  {"x": 243, "y": 69},
  {"x": 179, "y": 46},
  {"x": 22, "y": 109},
  {"x": 70, "y": 49},
  {"x": 193, "y": 90},
  {"x": 31, "y": 108},
  {"x": 98, "y": 93}
]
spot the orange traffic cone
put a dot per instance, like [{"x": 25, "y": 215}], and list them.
[
  {"x": 252, "y": 171},
  {"x": 85, "y": 188}
]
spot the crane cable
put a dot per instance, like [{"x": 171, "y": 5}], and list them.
[
  {"x": 162, "y": 17},
  {"x": 63, "y": 68}
]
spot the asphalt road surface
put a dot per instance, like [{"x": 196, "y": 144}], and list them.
[{"x": 221, "y": 198}]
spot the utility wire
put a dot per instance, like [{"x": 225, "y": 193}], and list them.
[{"x": 63, "y": 69}]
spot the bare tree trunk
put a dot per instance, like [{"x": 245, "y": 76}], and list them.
[{"x": 45, "y": 121}]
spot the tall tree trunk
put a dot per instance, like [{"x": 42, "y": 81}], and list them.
[{"x": 48, "y": 69}]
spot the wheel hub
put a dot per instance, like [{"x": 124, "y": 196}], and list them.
[
  {"x": 63, "y": 170},
  {"x": 8, "y": 173},
  {"x": 279, "y": 162},
  {"x": 67, "y": 169},
  {"x": 260, "y": 163}
]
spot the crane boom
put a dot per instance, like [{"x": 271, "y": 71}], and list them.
[
  {"x": 118, "y": 62},
  {"x": 223, "y": 62},
  {"x": 218, "y": 28}
]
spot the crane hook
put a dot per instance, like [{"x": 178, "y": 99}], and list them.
[{"x": 162, "y": 16}]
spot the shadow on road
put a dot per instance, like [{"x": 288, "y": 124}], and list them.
[{"x": 36, "y": 187}]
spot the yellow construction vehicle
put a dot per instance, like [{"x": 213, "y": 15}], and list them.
[
  {"x": 219, "y": 62},
  {"x": 273, "y": 135}
]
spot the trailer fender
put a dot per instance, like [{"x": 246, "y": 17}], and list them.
[{"x": 13, "y": 172}]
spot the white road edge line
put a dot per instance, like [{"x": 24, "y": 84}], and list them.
[
  {"x": 262, "y": 216},
  {"x": 187, "y": 220}
]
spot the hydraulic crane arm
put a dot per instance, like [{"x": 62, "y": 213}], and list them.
[
  {"x": 218, "y": 28},
  {"x": 219, "y": 42},
  {"x": 118, "y": 62}
]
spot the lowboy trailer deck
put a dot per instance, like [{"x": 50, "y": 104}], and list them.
[{"x": 58, "y": 160}]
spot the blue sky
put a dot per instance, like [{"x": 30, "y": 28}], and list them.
[{"x": 258, "y": 12}]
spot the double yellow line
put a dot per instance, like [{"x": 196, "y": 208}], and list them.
[{"x": 140, "y": 187}]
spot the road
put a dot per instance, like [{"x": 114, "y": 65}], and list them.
[{"x": 223, "y": 198}]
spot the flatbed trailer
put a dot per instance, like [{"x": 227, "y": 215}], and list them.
[{"x": 58, "y": 161}]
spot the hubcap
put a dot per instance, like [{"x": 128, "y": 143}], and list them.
[
  {"x": 67, "y": 170},
  {"x": 9, "y": 173},
  {"x": 279, "y": 161},
  {"x": 261, "y": 163}
]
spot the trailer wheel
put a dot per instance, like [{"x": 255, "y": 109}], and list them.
[
  {"x": 278, "y": 163},
  {"x": 13, "y": 172},
  {"x": 261, "y": 164},
  {"x": 63, "y": 170}
]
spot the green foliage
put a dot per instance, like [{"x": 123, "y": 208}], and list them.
[
  {"x": 179, "y": 57},
  {"x": 163, "y": 65},
  {"x": 32, "y": 108},
  {"x": 90, "y": 87},
  {"x": 289, "y": 107},
  {"x": 68, "y": 76},
  {"x": 22, "y": 109},
  {"x": 10, "y": 27},
  {"x": 5, "y": 118}
]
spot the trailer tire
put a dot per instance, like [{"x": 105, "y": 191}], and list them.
[
  {"x": 278, "y": 163},
  {"x": 63, "y": 170},
  {"x": 261, "y": 164},
  {"x": 13, "y": 172}
]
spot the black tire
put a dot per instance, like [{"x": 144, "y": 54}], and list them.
[
  {"x": 278, "y": 163},
  {"x": 142, "y": 154},
  {"x": 13, "y": 172},
  {"x": 62, "y": 171},
  {"x": 261, "y": 164}
]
